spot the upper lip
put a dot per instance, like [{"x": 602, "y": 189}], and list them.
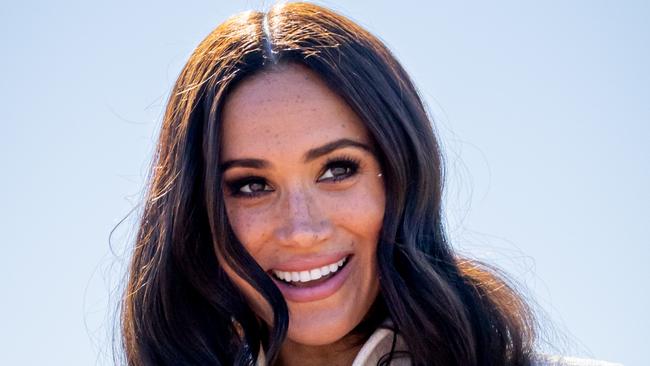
[{"x": 302, "y": 263}]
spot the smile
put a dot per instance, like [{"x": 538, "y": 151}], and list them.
[
  {"x": 310, "y": 274},
  {"x": 313, "y": 284}
]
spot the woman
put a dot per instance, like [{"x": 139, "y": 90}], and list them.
[{"x": 294, "y": 214}]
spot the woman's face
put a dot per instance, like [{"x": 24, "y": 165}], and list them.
[{"x": 305, "y": 196}]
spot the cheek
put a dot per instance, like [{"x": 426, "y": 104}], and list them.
[
  {"x": 250, "y": 225},
  {"x": 360, "y": 209},
  {"x": 249, "y": 228}
]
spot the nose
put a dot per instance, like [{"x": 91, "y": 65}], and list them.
[{"x": 303, "y": 219}]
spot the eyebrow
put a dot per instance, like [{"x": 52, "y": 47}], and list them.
[
  {"x": 334, "y": 145},
  {"x": 309, "y": 155}
]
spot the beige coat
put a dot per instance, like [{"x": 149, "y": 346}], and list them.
[
  {"x": 380, "y": 343},
  {"x": 381, "y": 340}
]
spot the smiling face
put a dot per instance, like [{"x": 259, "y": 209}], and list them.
[{"x": 304, "y": 195}]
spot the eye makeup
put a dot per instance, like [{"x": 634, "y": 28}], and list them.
[
  {"x": 339, "y": 168},
  {"x": 336, "y": 169},
  {"x": 248, "y": 187}
]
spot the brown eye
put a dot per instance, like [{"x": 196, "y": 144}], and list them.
[
  {"x": 249, "y": 187},
  {"x": 254, "y": 187},
  {"x": 338, "y": 170}
]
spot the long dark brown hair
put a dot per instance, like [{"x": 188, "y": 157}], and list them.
[{"x": 180, "y": 307}]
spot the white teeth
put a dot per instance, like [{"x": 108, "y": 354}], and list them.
[
  {"x": 315, "y": 274},
  {"x": 325, "y": 270},
  {"x": 304, "y": 276},
  {"x": 309, "y": 275}
]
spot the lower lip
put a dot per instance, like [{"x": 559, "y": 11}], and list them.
[{"x": 318, "y": 292}]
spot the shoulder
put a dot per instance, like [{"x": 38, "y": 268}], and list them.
[
  {"x": 547, "y": 360},
  {"x": 384, "y": 339}
]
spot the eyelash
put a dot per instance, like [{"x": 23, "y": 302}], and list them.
[{"x": 347, "y": 162}]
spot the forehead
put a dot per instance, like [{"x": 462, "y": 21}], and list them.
[{"x": 284, "y": 112}]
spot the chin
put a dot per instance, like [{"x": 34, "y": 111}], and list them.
[
  {"x": 308, "y": 338},
  {"x": 329, "y": 321},
  {"x": 311, "y": 330}
]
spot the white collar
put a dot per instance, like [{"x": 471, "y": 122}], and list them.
[{"x": 378, "y": 345}]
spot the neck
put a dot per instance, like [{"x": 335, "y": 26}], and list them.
[{"x": 341, "y": 352}]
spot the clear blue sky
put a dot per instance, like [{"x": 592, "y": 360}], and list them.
[{"x": 543, "y": 110}]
